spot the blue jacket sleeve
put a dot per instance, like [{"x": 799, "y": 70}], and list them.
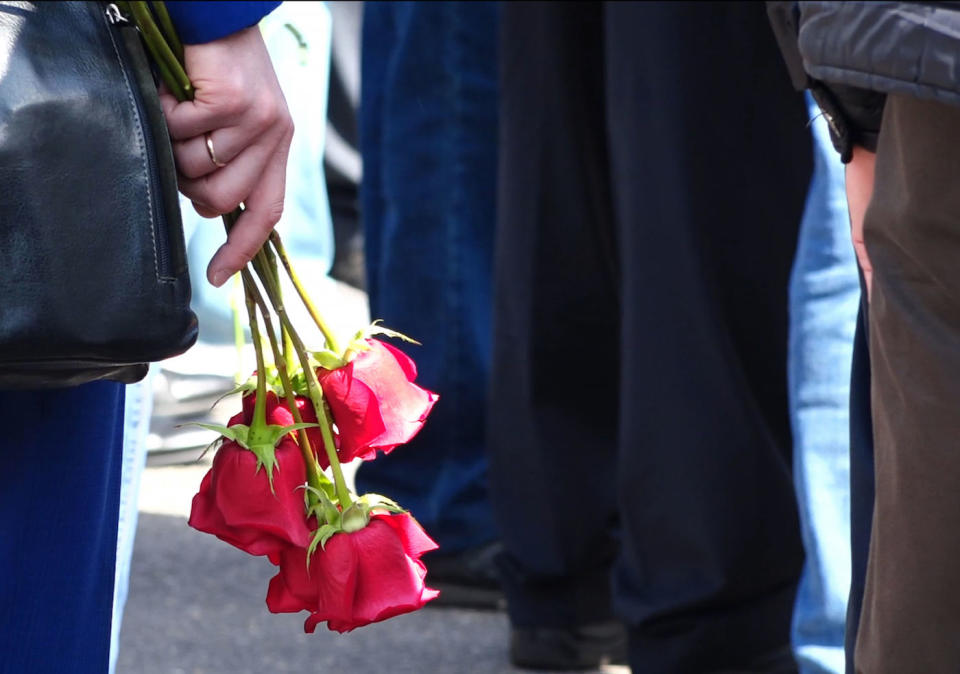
[{"x": 198, "y": 21}]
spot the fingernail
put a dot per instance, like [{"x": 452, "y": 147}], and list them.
[{"x": 221, "y": 276}]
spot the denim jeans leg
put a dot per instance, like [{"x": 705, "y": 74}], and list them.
[
  {"x": 824, "y": 296},
  {"x": 428, "y": 125}
]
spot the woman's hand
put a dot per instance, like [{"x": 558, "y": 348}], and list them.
[
  {"x": 859, "y": 179},
  {"x": 239, "y": 107}
]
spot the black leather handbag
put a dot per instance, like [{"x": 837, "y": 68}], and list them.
[{"x": 93, "y": 272}]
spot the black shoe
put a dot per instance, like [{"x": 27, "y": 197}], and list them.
[
  {"x": 569, "y": 648},
  {"x": 467, "y": 579}
]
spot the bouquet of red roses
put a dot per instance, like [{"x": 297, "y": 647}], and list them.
[{"x": 276, "y": 487}]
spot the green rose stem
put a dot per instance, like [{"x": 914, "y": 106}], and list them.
[
  {"x": 259, "y": 421},
  {"x": 238, "y": 336},
  {"x": 315, "y": 477},
  {"x": 261, "y": 266},
  {"x": 159, "y": 48},
  {"x": 288, "y": 354},
  {"x": 259, "y": 433},
  {"x": 285, "y": 261},
  {"x": 166, "y": 26}
]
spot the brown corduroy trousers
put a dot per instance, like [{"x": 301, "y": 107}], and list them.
[{"x": 911, "y": 612}]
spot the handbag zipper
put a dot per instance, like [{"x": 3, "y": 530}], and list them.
[{"x": 161, "y": 244}]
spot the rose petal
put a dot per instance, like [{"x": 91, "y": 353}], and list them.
[
  {"x": 403, "y": 360},
  {"x": 414, "y": 539},
  {"x": 336, "y": 581},
  {"x": 244, "y": 497},
  {"x": 235, "y": 503},
  {"x": 355, "y": 409},
  {"x": 291, "y": 591},
  {"x": 276, "y": 412}
]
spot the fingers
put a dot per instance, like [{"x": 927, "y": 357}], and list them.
[
  {"x": 226, "y": 188},
  {"x": 263, "y": 208},
  {"x": 205, "y": 211},
  {"x": 239, "y": 106},
  {"x": 194, "y": 158},
  {"x": 264, "y": 124}
]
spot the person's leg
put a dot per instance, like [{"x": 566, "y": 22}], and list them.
[
  {"x": 824, "y": 294},
  {"x": 861, "y": 476},
  {"x": 710, "y": 164},
  {"x": 428, "y": 126},
  {"x": 911, "y": 607},
  {"x": 553, "y": 398},
  {"x": 59, "y": 498}
]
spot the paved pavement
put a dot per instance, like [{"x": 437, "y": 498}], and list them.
[{"x": 196, "y": 606}]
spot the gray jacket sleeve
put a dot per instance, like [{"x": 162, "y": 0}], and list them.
[{"x": 853, "y": 113}]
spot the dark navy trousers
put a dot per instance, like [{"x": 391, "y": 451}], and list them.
[
  {"x": 653, "y": 171},
  {"x": 862, "y": 482},
  {"x": 428, "y": 126}
]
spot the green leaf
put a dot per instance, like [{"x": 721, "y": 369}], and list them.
[
  {"x": 298, "y": 382},
  {"x": 379, "y": 501},
  {"x": 376, "y": 329},
  {"x": 326, "y": 485},
  {"x": 238, "y": 432},
  {"x": 249, "y": 385},
  {"x": 208, "y": 448},
  {"x": 325, "y": 510},
  {"x": 328, "y": 360},
  {"x": 320, "y": 537},
  {"x": 273, "y": 433}
]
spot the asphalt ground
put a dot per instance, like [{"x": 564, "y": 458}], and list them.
[{"x": 196, "y": 606}]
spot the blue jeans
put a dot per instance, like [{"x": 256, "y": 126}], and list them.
[
  {"x": 824, "y": 295},
  {"x": 428, "y": 128},
  {"x": 59, "y": 495}
]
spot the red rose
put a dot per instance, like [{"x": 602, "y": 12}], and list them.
[
  {"x": 357, "y": 578},
  {"x": 375, "y": 404},
  {"x": 277, "y": 412},
  {"x": 235, "y": 502}
]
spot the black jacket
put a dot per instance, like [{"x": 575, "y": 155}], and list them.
[{"x": 852, "y": 54}]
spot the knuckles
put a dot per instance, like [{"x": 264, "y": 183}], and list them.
[
  {"x": 269, "y": 113},
  {"x": 273, "y": 213}
]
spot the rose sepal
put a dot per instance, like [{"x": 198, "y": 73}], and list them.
[
  {"x": 246, "y": 387},
  {"x": 360, "y": 344},
  {"x": 262, "y": 440},
  {"x": 333, "y": 520},
  {"x": 327, "y": 359}
]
